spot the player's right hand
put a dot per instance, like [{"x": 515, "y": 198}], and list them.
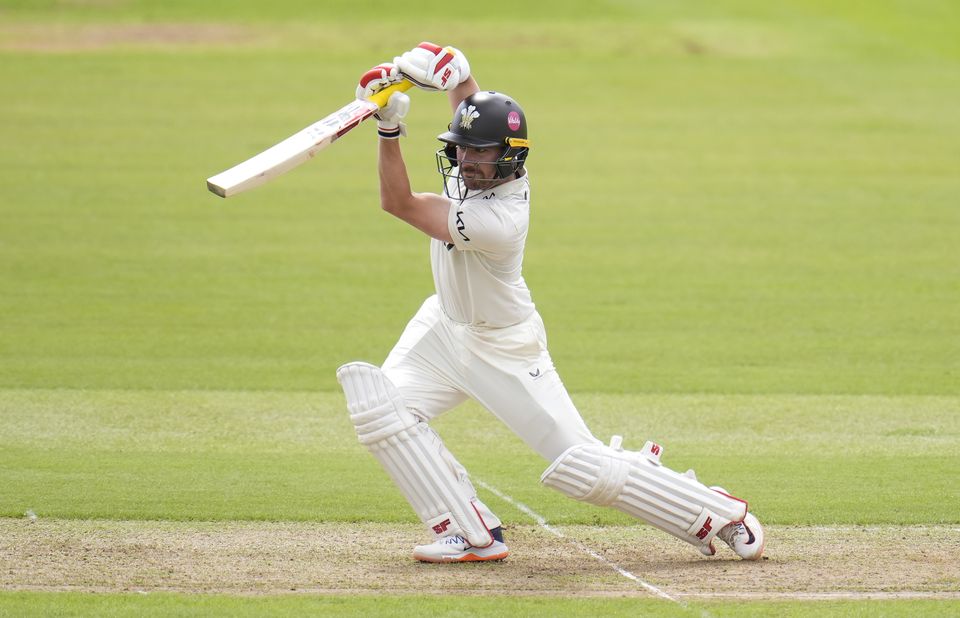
[
  {"x": 432, "y": 67},
  {"x": 378, "y": 78}
]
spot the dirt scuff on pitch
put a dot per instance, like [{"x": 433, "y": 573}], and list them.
[
  {"x": 274, "y": 558},
  {"x": 72, "y": 38}
]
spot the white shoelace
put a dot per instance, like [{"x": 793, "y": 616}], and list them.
[{"x": 728, "y": 534}]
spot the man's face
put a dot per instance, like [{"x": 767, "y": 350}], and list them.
[{"x": 477, "y": 167}]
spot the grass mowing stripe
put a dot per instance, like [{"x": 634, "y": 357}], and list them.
[
  {"x": 71, "y": 604},
  {"x": 165, "y": 604},
  {"x": 351, "y": 487},
  {"x": 316, "y": 422},
  {"x": 293, "y": 456}
]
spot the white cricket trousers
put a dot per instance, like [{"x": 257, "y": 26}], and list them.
[{"x": 438, "y": 363}]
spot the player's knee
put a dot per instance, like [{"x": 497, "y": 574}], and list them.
[
  {"x": 376, "y": 407},
  {"x": 599, "y": 473}
]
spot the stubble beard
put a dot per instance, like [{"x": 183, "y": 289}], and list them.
[{"x": 481, "y": 183}]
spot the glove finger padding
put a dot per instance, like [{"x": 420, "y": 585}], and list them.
[
  {"x": 396, "y": 109},
  {"x": 378, "y": 78},
  {"x": 390, "y": 115},
  {"x": 432, "y": 67}
]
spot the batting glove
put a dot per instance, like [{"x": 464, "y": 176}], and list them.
[
  {"x": 378, "y": 78},
  {"x": 432, "y": 67},
  {"x": 390, "y": 115}
]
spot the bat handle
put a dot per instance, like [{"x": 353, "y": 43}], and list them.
[{"x": 381, "y": 98}]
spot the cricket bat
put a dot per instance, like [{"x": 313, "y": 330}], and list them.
[{"x": 299, "y": 147}]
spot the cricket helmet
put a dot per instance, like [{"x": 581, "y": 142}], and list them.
[{"x": 486, "y": 119}]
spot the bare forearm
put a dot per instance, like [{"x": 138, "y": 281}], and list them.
[
  {"x": 425, "y": 211},
  {"x": 461, "y": 92},
  {"x": 394, "y": 182}
]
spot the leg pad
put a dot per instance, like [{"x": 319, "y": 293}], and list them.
[
  {"x": 412, "y": 454},
  {"x": 639, "y": 485}
]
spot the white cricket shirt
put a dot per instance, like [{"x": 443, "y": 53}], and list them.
[{"x": 478, "y": 277}]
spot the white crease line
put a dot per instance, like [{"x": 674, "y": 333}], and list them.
[
  {"x": 542, "y": 522},
  {"x": 821, "y": 596},
  {"x": 872, "y": 527}
]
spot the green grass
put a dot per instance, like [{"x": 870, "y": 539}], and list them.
[
  {"x": 293, "y": 456},
  {"x": 775, "y": 215},
  {"x": 743, "y": 244},
  {"x": 73, "y": 604}
]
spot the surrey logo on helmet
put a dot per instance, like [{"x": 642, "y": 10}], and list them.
[{"x": 467, "y": 115}]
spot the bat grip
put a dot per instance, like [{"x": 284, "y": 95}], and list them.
[{"x": 381, "y": 98}]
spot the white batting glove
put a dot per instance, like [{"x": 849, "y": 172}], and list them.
[
  {"x": 390, "y": 115},
  {"x": 432, "y": 67},
  {"x": 378, "y": 78}
]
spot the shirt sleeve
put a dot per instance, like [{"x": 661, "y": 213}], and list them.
[{"x": 482, "y": 226}]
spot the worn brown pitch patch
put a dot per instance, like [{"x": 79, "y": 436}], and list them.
[
  {"x": 65, "y": 38},
  {"x": 276, "y": 558},
  {"x": 801, "y": 562}
]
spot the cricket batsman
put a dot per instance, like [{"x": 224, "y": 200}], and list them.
[{"x": 480, "y": 337}]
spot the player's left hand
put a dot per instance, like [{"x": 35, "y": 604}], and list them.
[
  {"x": 376, "y": 79},
  {"x": 432, "y": 67}
]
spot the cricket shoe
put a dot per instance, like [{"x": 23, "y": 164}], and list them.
[
  {"x": 745, "y": 538},
  {"x": 455, "y": 548}
]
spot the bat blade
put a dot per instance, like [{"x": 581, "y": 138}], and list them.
[
  {"x": 291, "y": 152},
  {"x": 299, "y": 147}
]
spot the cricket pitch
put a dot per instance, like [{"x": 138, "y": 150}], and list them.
[{"x": 259, "y": 558}]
